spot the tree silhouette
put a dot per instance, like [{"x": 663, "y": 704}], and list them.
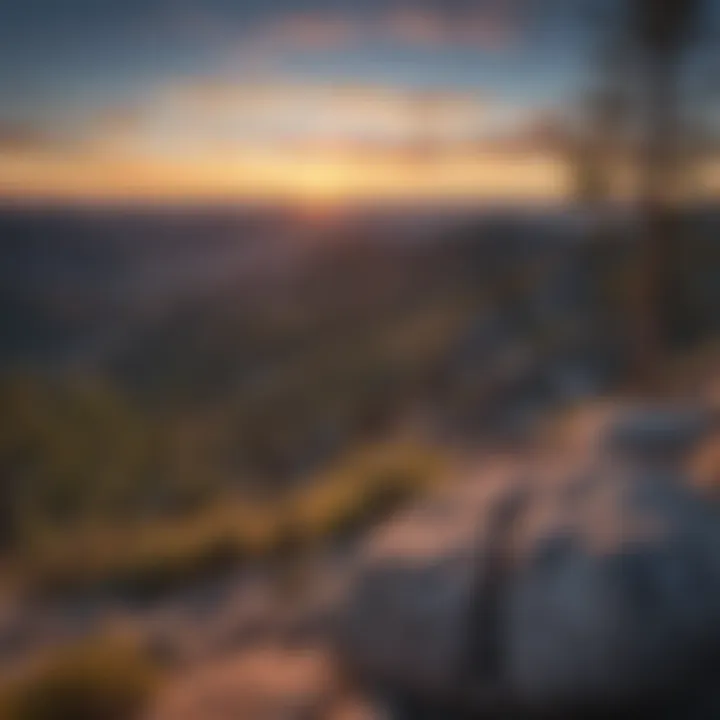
[
  {"x": 636, "y": 118},
  {"x": 662, "y": 35}
]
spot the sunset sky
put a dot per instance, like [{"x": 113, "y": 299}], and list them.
[{"x": 264, "y": 98}]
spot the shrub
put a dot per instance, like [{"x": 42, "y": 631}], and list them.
[
  {"x": 149, "y": 559},
  {"x": 101, "y": 680},
  {"x": 363, "y": 489}
]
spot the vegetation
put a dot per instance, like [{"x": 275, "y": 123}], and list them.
[
  {"x": 231, "y": 430},
  {"x": 221, "y": 436},
  {"x": 94, "y": 500},
  {"x": 102, "y": 679}
]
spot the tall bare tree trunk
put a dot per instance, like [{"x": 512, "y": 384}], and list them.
[
  {"x": 657, "y": 188},
  {"x": 662, "y": 32}
]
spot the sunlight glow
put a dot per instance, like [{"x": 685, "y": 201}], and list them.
[{"x": 321, "y": 177}]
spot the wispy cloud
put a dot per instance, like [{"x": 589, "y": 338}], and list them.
[
  {"x": 490, "y": 26},
  {"x": 353, "y": 141},
  {"x": 485, "y": 27},
  {"x": 282, "y": 113},
  {"x": 313, "y": 31},
  {"x": 198, "y": 118},
  {"x": 24, "y": 138}
]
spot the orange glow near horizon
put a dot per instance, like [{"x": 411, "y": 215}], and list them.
[
  {"x": 322, "y": 177},
  {"x": 291, "y": 141}
]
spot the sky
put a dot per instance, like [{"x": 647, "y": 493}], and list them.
[{"x": 175, "y": 99}]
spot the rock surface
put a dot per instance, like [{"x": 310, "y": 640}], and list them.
[{"x": 572, "y": 581}]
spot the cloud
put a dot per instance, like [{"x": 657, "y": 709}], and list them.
[
  {"x": 281, "y": 112},
  {"x": 315, "y": 31},
  {"x": 327, "y": 176},
  {"x": 485, "y": 27},
  {"x": 415, "y": 26},
  {"x": 371, "y": 141},
  {"x": 24, "y": 138},
  {"x": 120, "y": 120},
  {"x": 537, "y": 133},
  {"x": 115, "y": 124},
  {"x": 490, "y": 26},
  {"x": 201, "y": 118}
]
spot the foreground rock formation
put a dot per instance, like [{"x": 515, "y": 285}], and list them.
[{"x": 576, "y": 580}]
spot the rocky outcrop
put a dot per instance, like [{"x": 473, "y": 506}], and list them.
[{"x": 586, "y": 579}]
